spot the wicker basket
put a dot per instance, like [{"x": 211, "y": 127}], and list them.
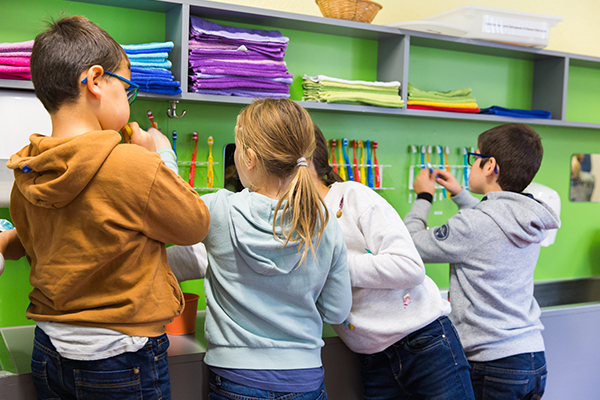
[{"x": 352, "y": 10}]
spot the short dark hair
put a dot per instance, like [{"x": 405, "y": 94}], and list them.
[
  {"x": 518, "y": 151},
  {"x": 70, "y": 46},
  {"x": 321, "y": 160}
]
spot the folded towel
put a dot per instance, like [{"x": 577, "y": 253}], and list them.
[
  {"x": 451, "y": 96},
  {"x": 14, "y": 69},
  {"x": 441, "y": 104},
  {"x": 431, "y": 108},
  {"x": 164, "y": 64},
  {"x": 154, "y": 47},
  {"x": 17, "y": 46},
  {"x": 243, "y": 93},
  {"x": 169, "y": 91},
  {"x": 24, "y": 53},
  {"x": 320, "y": 78},
  {"x": 153, "y": 72},
  {"x": 234, "y": 55},
  {"x": 250, "y": 72},
  {"x": 15, "y": 76},
  {"x": 517, "y": 113},
  {"x": 286, "y": 80},
  {"x": 144, "y": 56},
  {"x": 14, "y": 60},
  {"x": 203, "y": 27}
]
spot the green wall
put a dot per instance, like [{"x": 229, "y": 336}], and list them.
[{"x": 494, "y": 80}]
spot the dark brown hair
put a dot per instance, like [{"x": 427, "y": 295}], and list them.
[
  {"x": 518, "y": 151},
  {"x": 321, "y": 160},
  {"x": 70, "y": 46}
]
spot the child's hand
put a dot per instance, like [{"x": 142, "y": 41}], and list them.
[
  {"x": 139, "y": 137},
  {"x": 447, "y": 180},
  {"x": 425, "y": 182},
  {"x": 160, "y": 140}
]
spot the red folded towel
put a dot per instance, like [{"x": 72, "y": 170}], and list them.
[{"x": 451, "y": 109}]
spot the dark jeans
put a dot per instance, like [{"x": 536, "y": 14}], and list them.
[
  {"x": 516, "y": 377},
  {"x": 427, "y": 364},
  {"x": 224, "y": 389},
  {"x": 143, "y": 374}
]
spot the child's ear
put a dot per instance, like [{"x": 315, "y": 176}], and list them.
[
  {"x": 491, "y": 167},
  {"x": 93, "y": 80},
  {"x": 250, "y": 159}
]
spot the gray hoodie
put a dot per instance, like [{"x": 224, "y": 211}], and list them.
[
  {"x": 492, "y": 247},
  {"x": 265, "y": 309}
]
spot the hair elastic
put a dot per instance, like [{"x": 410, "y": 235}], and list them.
[{"x": 301, "y": 162}]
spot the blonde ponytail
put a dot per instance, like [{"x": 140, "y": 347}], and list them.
[{"x": 281, "y": 134}]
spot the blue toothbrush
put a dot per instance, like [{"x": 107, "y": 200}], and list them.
[
  {"x": 174, "y": 142},
  {"x": 369, "y": 164},
  {"x": 466, "y": 165},
  {"x": 441, "y": 151},
  {"x": 347, "y": 160}
]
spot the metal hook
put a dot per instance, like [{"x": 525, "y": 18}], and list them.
[{"x": 172, "y": 112}]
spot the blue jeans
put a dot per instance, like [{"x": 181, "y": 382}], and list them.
[
  {"x": 224, "y": 389},
  {"x": 427, "y": 364},
  {"x": 516, "y": 377},
  {"x": 143, "y": 374}
]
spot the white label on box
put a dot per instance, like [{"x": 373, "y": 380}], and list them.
[{"x": 515, "y": 27}]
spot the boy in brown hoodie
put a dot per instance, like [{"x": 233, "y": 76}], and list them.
[{"x": 93, "y": 215}]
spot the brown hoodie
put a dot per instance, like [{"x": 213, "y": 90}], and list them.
[{"x": 93, "y": 216}]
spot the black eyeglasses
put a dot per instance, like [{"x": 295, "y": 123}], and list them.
[
  {"x": 475, "y": 156},
  {"x": 131, "y": 91}
]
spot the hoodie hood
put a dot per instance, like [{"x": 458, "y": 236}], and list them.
[
  {"x": 51, "y": 172},
  {"x": 523, "y": 219},
  {"x": 250, "y": 221}
]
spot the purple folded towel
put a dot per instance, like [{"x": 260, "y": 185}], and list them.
[
  {"x": 233, "y": 55},
  {"x": 18, "y": 46},
  {"x": 244, "y": 93},
  {"x": 250, "y": 72},
  {"x": 202, "y": 26}
]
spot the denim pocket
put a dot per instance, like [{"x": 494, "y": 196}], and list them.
[
  {"x": 108, "y": 385},
  {"x": 503, "y": 388},
  {"x": 39, "y": 376},
  {"x": 422, "y": 342}
]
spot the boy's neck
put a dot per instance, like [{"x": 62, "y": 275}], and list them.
[{"x": 72, "y": 120}]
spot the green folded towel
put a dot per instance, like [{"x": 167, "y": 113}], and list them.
[
  {"x": 345, "y": 93},
  {"x": 451, "y": 96}
]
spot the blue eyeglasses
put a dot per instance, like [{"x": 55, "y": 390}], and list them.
[
  {"x": 474, "y": 156},
  {"x": 131, "y": 91}
]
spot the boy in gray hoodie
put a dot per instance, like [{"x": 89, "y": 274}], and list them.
[{"x": 492, "y": 246}]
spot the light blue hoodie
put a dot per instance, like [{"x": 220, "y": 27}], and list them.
[{"x": 265, "y": 310}]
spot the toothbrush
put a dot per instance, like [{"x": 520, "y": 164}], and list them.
[
  {"x": 377, "y": 176},
  {"x": 193, "y": 166},
  {"x": 413, "y": 150},
  {"x": 423, "y": 157},
  {"x": 175, "y": 142},
  {"x": 369, "y": 165},
  {"x": 347, "y": 159},
  {"x": 333, "y": 142},
  {"x": 466, "y": 166},
  {"x": 441, "y": 153},
  {"x": 128, "y": 134},
  {"x": 151, "y": 118},
  {"x": 210, "y": 173},
  {"x": 356, "y": 174},
  {"x": 363, "y": 178},
  {"x": 447, "y": 163},
  {"x": 341, "y": 158}
]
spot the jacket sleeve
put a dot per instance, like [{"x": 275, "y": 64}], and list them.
[
  {"x": 449, "y": 243},
  {"x": 464, "y": 199},
  {"x": 335, "y": 300},
  {"x": 188, "y": 262},
  {"x": 391, "y": 260},
  {"x": 174, "y": 212}
]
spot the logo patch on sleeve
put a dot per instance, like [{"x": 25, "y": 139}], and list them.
[{"x": 442, "y": 232}]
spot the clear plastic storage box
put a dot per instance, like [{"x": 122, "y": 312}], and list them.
[{"x": 500, "y": 25}]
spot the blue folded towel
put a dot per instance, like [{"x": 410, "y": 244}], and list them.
[
  {"x": 154, "y": 71},
  {"x": 517, "y": 113},
  {"x": 152, "y": 64},
  {"x": 171, "y": 91},
  {"x": 144, "y": 56},
  {"x": 154, "y": 46}
]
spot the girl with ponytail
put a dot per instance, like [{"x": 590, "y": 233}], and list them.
[{"x": 277, "y": 264}]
